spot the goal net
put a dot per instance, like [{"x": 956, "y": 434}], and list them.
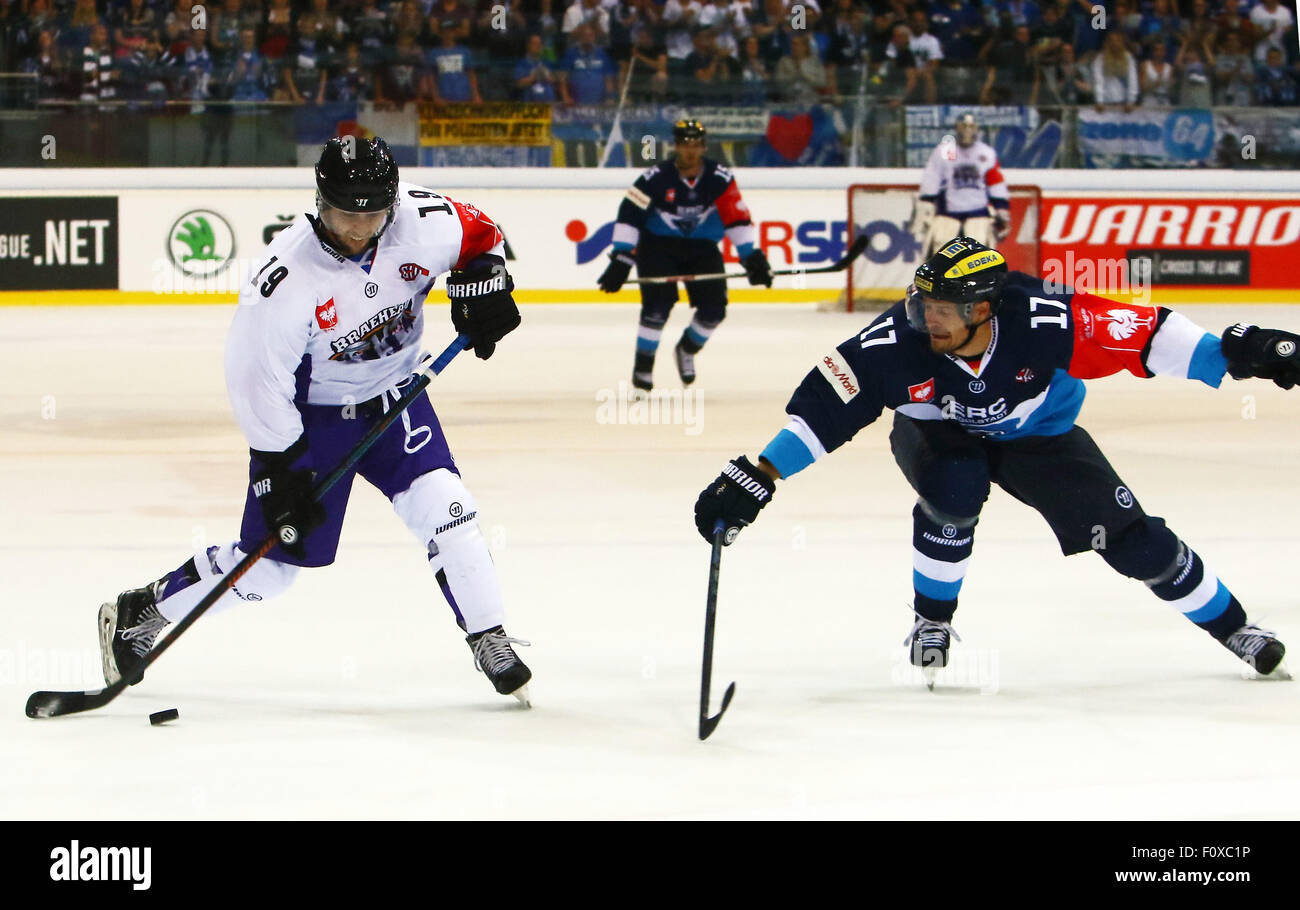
[{"x": 881, "y": 275}]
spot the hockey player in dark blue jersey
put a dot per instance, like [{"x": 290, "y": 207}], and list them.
[
  {"x": 983, "y": 369},
  {"x": 670, "y": 223}
]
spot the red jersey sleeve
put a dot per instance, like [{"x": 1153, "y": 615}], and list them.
[
  {"x": 478, "y": 234},
  {"x": 993, "y": 176},
  {"x": 731, "y": 207},
  {"x": 1111, "y": 336}
]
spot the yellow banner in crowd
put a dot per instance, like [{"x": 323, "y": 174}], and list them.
[{"x": 493, "y": 123}]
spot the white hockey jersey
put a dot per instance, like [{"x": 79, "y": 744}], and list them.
[
  {"x": 964, "y": 181},
  {"x": 313, "y": 326}
]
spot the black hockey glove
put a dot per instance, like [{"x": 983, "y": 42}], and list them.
[
  {"x": 758, "y": 269},
  {"x": 736, "y": 497},
  {"x": 282, "y": 483},
  {"x": 620, "y": 266},
  {"x": 1262, "y": 353},
  {"x": 481, "y": 303}
]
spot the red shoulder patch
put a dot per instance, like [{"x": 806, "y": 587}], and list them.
[{"x": 478, "y": 233}]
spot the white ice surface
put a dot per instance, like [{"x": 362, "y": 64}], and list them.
[{"x": 353, "y": 696}]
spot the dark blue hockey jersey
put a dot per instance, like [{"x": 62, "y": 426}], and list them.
[
  {"x": 663, "y": 202},
  {"x": 1028, "y": 383}
]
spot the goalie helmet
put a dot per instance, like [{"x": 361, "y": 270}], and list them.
[
  {"x": 967, "y": 130},
  {"x": 963, "y": 272}
]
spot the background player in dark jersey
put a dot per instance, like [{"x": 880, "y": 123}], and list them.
[
  {"x": 983, "y": 370},
  {"x": 670, "y": 223}
]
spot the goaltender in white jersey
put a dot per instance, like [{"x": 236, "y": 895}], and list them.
[{"x": 963, "y": 192}]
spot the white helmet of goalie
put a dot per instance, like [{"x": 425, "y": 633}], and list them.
[{"x": 967, "y": 129}]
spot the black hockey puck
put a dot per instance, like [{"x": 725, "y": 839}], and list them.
[{"x": 161, "y": 717}]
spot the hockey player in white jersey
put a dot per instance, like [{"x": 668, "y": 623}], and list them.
[
  {"x": 327, "y": 333},
  {"x": 963, "y": 192}
]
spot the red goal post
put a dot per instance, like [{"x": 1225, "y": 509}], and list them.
[{"x": 884, "y": 270}]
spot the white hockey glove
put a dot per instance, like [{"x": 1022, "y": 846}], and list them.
[{"x": 1001, "y": 226}]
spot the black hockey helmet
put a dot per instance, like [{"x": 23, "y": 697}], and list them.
[
  {"x": 357, "y": 175},
  {"x": 964, "y": 272},
  {"x": 689, "y": 131}
]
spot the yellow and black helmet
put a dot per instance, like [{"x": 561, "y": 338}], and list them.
[
  {"x": 964, "y": 272},
  {"x": 688, "y": 131}
]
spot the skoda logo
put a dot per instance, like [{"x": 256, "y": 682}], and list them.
[
  {"x": 456, "y": 510},
  {"x": 200, "y": 243},
  {"x": 371, "y": 289},
  {"x": 977, "y": 386},
  {"x": 1285, "y": 348},
  {"x": 1124, "y": 497},
  {"x": 950, "y": 531}
]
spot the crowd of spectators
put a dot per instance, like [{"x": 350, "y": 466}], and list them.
[{"x": 1102, "y": 52}]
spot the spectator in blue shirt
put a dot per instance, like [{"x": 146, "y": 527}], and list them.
[
  {"x": 959, "y": 27},
  {"x": 1023, "y": 12},
  {"x": 588, "y": 73},
  {"x": 453, "y": 72},
  {"x": 1275, "y": 85},
  {"x": 249, "y": 76},
  {"x": 533, "y": 77},
  {"x": 1161, "y": 25}
]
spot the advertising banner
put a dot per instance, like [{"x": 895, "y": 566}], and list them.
[
  {"x": 1239, "y": 240},
  {"x": 1147, "y": 137},
  {"x": 58, "y": 243},
  {"x": 493, "y": 123}
]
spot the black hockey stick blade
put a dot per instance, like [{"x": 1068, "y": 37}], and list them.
[
  {"x": 721, "y": 537},
  {"x": 53, "y": 704},
  {"x": 709, "y": 724},
  {"x": 56, "y": 704}
]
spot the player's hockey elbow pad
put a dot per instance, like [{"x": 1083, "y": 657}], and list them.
[
  {"x": 1262, "y": 353},
  {"x": 482, "y": 305}
]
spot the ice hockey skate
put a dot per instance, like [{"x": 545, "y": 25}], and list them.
[
  {"x": 128, "y": 628},
  {"x": 494, "y": 656},
  {"x": 928, "y": 644},
  {"x": 1260, "y": 649},
  {"x": 685, "y": 364}
]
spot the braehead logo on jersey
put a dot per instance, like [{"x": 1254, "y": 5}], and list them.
[
  {"x": 840, "y": 375},
  {"x": 200, "y": 243},
  {"x": 411, "y": 271},
  {"x": 805, "y": 243},
  {"x": 327, "y": 315},
  {"x": 922, "y": 392}
]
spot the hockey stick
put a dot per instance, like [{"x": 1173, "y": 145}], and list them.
[
  {"x": 854, "y": 252},
  {"x": 54, "y": 704},
  {"x": 708, "y": 724}
]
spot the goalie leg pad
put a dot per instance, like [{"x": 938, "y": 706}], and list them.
[
  {"x": 942, "y": 230},
  {"x": 979, "y": 228},
  {"x": 442, "y": 514}
]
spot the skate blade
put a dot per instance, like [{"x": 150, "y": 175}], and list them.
[
  {"x": 524, "y": 698},
  {"x": 929, "y": 674},
  {"x": 108, "y": 622}
]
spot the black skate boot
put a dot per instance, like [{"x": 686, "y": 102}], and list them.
[
  {"x": 1260, "y": 649},
  {"x": 643, "y": 374},
  {"x": 928, "y": 644},
  {"x": 127, "y": 630},
  {"x": 685, "y": 361},
  {"x": 494, "y": 656}
]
